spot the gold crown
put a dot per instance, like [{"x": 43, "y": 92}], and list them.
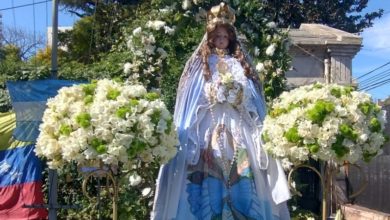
[{"x": 220, "y": 14}]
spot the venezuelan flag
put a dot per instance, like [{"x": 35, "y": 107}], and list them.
[
  {"x": 20, "y": 168},
  {"x": 20, "y": 175}
]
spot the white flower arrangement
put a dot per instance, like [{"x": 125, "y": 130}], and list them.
[
  {"x": 271, "y": 50},
  {"x": 226, "y": 88},
  {"x": 113, "y": 122},
  {"x": 325, "y": 122},
  {"x": 147, "y": 58}
]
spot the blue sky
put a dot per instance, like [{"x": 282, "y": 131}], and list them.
[
  {"x": 376, "y": 49},
  {"x": 374, "y": 53}
]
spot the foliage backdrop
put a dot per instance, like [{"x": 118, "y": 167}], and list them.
[{"x": 150, "y": 41}]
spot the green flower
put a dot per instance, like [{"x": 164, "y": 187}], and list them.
[
  {"x": 136, "y": 147},
  {"x": 101, "y": 149},
  {"x": 367, "y": 156},
  {"x": 99, "y": 145},
  {"x": 291, "y": 106},
  {"x": 365, "y": 108},
  {"x": 313, "y": 148},
  {"x": 339, "y": 148},
  {"x": 155, "y": 117},
  {"x": 265, "y": 137},
  {"x": 376, "y": 109},
  {"x": 348, "y": 132},
  {"x": 348, "y": 89},
  {"x": 169, "y": 125},
  {"x": 123, "y": 111},
  {"x": 151, "y": 96},
  {"x": 292, "y": 135},
  {"x": 319, "y": 112},
  {"x": 375, "y": 125},
  {"x": 277, "y": 111},
  {"x": 317, "y": 86},
  {"x": 65, "y": 130},
  {"x": 112, "y": 94},
  {"x": 84, "y": 120},
  {"x": 336, "y": 92},
  {"x": 133, "y": 102},
  {"x": 88, "y": 99},
  {"x": 89, "y": 89}
]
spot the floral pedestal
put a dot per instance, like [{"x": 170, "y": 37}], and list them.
[{"x": 96, "y": 169}]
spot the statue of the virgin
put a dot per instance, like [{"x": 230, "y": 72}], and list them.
[{"x": 221, "y": 170}]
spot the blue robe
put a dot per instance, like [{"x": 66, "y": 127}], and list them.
[{"x": 199, "y": 183}]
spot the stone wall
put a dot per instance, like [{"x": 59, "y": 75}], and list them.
[{"x": 321, "y": 54}]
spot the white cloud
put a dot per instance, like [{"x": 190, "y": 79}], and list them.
[{"x": 377, "y": 38}]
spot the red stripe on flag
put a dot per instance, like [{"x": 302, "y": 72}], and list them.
[{"x": 14, "y": 197}]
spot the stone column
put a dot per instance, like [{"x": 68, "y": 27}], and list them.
[{"x": 341, "y": 63}]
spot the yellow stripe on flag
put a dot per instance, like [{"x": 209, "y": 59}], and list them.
[{"x": 7, "y": 126}]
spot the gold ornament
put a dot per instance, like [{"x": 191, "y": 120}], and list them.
[{"x": 220, "y": 14}]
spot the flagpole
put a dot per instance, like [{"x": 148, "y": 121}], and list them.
[
  {"x": 54, "y": 41},
  {"x": 53, "y": 176}
]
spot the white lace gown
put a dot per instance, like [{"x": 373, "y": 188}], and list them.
[{"x": 227, "y": 169}]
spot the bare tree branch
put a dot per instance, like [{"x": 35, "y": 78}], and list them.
[{"x": 24, "y": 40}]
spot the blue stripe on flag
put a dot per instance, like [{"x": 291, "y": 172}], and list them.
[
  {"x": 19, "y": 165},
  {"x": 29, "y": 102},
  {"x": 36, "y": 90}
]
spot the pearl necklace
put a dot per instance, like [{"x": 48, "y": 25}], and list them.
[{"x": 226, "y": 165}]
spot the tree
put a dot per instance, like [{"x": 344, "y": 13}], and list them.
[
  {"x": 83, "y": 8},
  {"x": 346, "y": 15},
  {"x": 24, "y": 40},
  {"x": 94, "y": 34}
]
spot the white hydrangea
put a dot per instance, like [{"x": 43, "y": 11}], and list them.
[
  {"x": 156, "y": 24},
  {"x": 137, "y": 31},
  {"x": 260, "y": 67},
  {"x": 169, "y": 30},
  {"x": 270, "y": 50},
  {"x": 186, "y": 4},
  {"x": 135, "y": 179},
  {"x": 271, "y": 25},
  {"x": 127, "y": 68},
  {"x": 324, "y": 140},
  {"x": 105, "y": 127}
]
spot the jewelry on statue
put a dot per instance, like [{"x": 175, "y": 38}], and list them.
[{"x": 221, "y": 53}]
